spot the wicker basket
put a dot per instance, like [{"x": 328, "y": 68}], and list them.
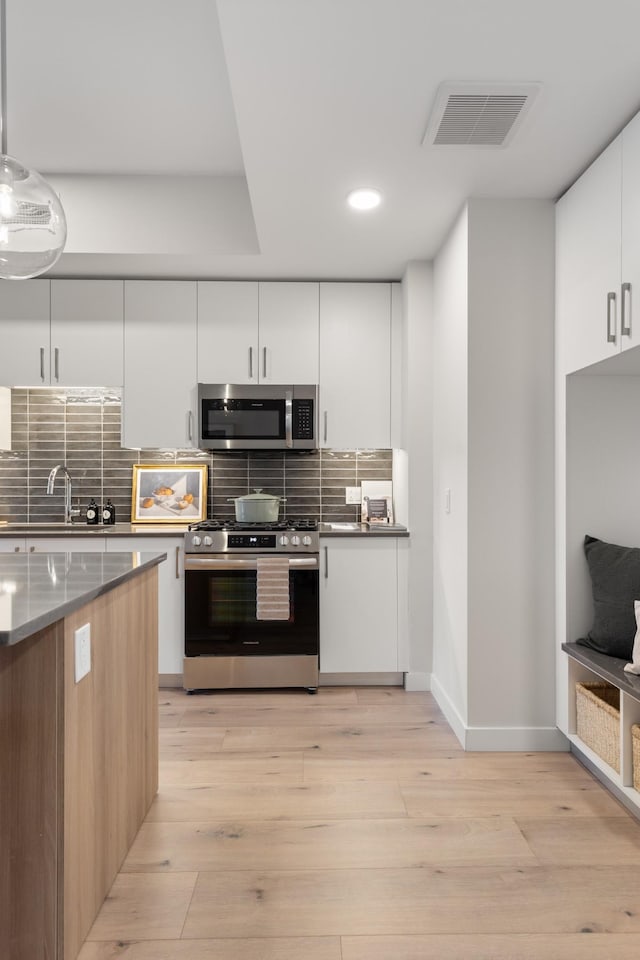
[
  {"x": 635, "y": 743},
  {"x": 598, "y": 719}
]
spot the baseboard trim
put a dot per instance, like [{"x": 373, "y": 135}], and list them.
[
  {"x": 169, "y": 679},
  {"x": 414, "y": 680},
  {"x": 498, "y": 739},
  {"x": 361, "y": 680}
]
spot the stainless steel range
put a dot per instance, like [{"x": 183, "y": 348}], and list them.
[{"x": 251, "y": 605}]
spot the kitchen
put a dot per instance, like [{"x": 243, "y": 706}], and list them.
[{"x": 471, "y": 417}]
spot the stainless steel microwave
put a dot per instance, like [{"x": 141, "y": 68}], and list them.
[{"x": 257, "y": 417}]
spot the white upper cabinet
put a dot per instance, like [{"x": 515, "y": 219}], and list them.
[
  {"x": 160, "y": 364},
  {"x": 24, "y": 316},
  {"x": 87, "y": 332},
  {"x": 289, "y": 332},
  {"x": 598, "y": 256},
  {"x": 251, "y": 332},
  {"x": 355, "y": 365},
  {"x": 227, "y": 332},
  {"x": 61, "y": 332}
]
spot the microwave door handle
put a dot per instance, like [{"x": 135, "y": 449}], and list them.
[{"x": 288, "y": 418}]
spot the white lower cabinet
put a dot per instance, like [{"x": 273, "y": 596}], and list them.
[
  {"x": 359, "y": 606},
  {"x": 78, "y": 543},
  {"x": 170, "y": 594}
]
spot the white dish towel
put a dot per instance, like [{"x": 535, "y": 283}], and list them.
[{"x": 272, "y": 593}]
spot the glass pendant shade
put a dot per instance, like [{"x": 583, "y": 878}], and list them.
[{"x": 33, "y": 227}]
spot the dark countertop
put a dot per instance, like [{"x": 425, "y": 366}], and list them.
[
  {"x": 177, "y": 530},
  {"x": 362, "y": 530},
  {"x": 37, "y": 589},
  {"x": 609, "y": 668}
]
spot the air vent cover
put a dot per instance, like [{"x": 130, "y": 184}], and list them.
[{"x": 478, "y": 115}]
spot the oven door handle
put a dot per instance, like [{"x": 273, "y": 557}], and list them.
[{"x": 244, "y": 563}]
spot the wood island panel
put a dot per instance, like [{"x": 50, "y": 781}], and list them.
[{"x": 111, "y": 746}]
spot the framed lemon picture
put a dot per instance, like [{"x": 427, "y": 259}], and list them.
[{"x": 169, "y": 493}]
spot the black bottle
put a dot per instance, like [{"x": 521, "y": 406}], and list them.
[
  {"x": 93, "y": 512},
  {"x": 108, "y": 513}
]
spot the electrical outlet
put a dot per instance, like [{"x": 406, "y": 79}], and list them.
[
  {"x": 82, "y": 638},
  {"x": 352, "y": 495}
]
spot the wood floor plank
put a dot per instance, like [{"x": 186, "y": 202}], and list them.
[
  {"x": 318, "y": 712},
  {"x": 528, "y": 946},
  {"x": 611, "y": 841},
  {"x": 425, "y": 768},
  {"x": 188, "y": 744},
  {"x": 366, "y": 740},
  {"x": 144, "y": 906},
  {"x": 521, "y": 798},
  {"x": 270, "y": 801},
  {"x": 332, "y": 844},
  {"x": 410, "y": 901},
  {"x": 230, "y": 768},
  {"x": 276, "y": 948}
]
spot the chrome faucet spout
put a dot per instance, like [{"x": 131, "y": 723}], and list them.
[{"x": 60, "y": 468}]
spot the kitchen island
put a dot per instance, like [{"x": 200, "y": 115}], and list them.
[{"x": 78, "y": 738}]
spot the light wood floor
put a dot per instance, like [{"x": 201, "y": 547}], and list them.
[{"x": 351, "y": 826}]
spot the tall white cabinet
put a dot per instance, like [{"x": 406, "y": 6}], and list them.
[
  {"x": 160, "y": 364},
  {"x": 355, "y": 365}
]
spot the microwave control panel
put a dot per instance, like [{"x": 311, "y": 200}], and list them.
[{"x": 303, "y": 419}]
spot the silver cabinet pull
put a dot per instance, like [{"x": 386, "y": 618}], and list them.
[
  {"x": 250, "y": 363},
  {"x": 56, "y": 363},
  {"x": 177, "y": 563},
  {"x": 16, "y": 549},
  {"x": 611, "y": 331},
  {"x": 264, "y": 362},
  {"x": 326, "y": 563},
  {"x": 42, "y": 364},
  {"x": 325, "y": 426},
  {"x": 625, "y": 318},
  {"x": 32, "y": 549},
  {"x": 190, "y": 424}
]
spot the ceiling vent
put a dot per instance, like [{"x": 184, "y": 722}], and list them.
[{"x": 478, "y": 115}]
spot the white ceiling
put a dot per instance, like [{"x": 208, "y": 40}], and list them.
[{"x": 256, "y": 117}]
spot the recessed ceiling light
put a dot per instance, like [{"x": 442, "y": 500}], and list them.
[{"x": 364, "y": 199}]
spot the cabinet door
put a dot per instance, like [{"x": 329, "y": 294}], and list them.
[
  {"x": 358, "y": 606},
  {"x": 73, "y": 543},
  {"x": 588, "y": 237},
  {"x": 160, "y": 363},
  {"x": 24, "y": 332},
  {"x": 12, "y": 545},
  {"x": 87, "y": 332},
  {"x": 227, "y": 332},
  {"x": 170, "y": 594},
  {"x": 355, "y": 365},
  {"x": 630, "y": 270},
  {"x": 289, "y": 330}
]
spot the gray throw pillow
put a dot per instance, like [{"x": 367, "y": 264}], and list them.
[{"x": 615, "y": 583}]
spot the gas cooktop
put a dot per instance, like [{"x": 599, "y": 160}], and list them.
[{"x": 289, "y": 524}]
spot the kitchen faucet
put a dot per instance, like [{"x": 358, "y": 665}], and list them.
[{"x": 68, "y": 512}]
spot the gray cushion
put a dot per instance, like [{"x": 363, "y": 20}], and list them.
[{"x": 615, "y": 583}]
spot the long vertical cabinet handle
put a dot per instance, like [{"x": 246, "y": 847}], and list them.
[
  {"x": 325, "y": 426},
  {"x": 326, "y": 563},
  {"x": 190, "y": 422},
  {"x": 56, "y": 363},
  {"x": 264, "y": 363},
  {"x": 250, "y": 363},
  {"x": 177, "y": 563},
  {"x": 625, "y": 317},
  {"x": 42, "y": 364},
  {"x": 611, "y": 332}
]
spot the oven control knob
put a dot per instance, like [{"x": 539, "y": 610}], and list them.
[
  {"x": 295, "y": 541},
  {"x": 284, "y": 541},
  {"x": 196, "y": 541},
  {"x": 207, "y": 541},
  {"x": 306, "y": 541}
]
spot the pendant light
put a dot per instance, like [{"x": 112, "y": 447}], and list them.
[{"x": 33, "y": 227}]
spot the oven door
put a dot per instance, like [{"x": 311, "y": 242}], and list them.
[{"x": 220, "y": 608}]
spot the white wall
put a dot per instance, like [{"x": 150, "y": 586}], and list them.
[
  {"x": 449, "y": 676},
  {"x": 511, "y": 651},
  {"x": 413, "y": 465}
]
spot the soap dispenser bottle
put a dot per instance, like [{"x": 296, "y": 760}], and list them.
[
  {"x": 109, "y": 513},
  {"x": 93, "y": 512}
]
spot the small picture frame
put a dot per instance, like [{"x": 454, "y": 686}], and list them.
[
  {"x": 169, "y": 493},
  {"x": 377, "y": 510}
]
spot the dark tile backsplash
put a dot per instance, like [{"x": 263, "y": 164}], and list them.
[{"x": 82, "y": 429}]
